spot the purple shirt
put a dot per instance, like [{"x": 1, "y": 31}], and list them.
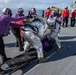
[
  {"x": 5, "y": 23},
  {"x": 18, "y": 16}
]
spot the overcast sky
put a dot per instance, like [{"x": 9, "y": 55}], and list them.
[{"x": 38, "y": 4}]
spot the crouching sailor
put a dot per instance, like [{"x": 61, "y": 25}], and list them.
[
  {"x": 54, "y": 31},
  {"x": 33, "y": 34}
]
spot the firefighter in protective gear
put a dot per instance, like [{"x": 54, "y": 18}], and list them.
[
  {"x": 33, "y": 33},
  {"x": 54, "y": 31}
]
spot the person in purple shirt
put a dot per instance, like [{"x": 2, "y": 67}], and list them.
[
  {"x": 16, "y": 30},
  {"x": 5, "y": 23}
]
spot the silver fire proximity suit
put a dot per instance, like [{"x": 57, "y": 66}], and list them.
[
  {"x": 54, "y": 33},
  {"x": 33, "y": 36}
]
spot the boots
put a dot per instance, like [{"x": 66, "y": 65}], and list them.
[
  {"x": 58, "y": 49},
  {"x": 16, "y": 44},
  {"x": 21, "y": 49},
  {"x": 43, "y": 60}
]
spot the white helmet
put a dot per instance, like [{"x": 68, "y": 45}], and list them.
[
  {"x": 4, "y": 10},
  {"x": 7, "y": 11},
  {"x": 51, "y": 21}
]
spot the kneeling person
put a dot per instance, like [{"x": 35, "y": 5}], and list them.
[{"x": 54, "y": 31}]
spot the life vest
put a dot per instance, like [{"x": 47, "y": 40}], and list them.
[{"x": 21, "y": 22}]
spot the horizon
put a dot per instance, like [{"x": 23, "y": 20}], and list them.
[{"x": 40, "y": 4}]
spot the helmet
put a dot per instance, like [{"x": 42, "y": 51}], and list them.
[
  {"x": 33, "y": 11},
  {"x": 66, "y": 7},
  {"x": 50, "y": 21},
  {"x": 20, "y": 10},
  {"x": 7, "y": 11}
]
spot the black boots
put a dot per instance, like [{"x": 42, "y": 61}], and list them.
[
  {"x": 43, "y": 60},
  {"x": 21, "y": 49},
  {"x": 58, "y": 49}
]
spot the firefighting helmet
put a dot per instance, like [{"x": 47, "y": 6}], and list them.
[
  {"x": 20, "y": 10},
  {"x": 50, "y": 21},
  {"x": 7, "y": 11}
]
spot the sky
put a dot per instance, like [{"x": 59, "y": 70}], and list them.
[{"x": 38, "y": 4}]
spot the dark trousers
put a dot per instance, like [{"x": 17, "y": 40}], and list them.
[
  {"x": 16, "y": 32},
  {"x": 72, "y": 22},
  {"x": 65, "y": 21},
  {"x": 2, "y": 48}
]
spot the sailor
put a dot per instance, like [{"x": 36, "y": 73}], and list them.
[
  {"x": 33, "y": 33},
  {"x": 54, "y": 26},
  {"x": 16, "y": 31},
  {"x": 5, "y": 23}
]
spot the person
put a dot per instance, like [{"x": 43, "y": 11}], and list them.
[
  {"x": 54, "y": 26},
  {"x": 33, "y": 12},
  {"x": 33, "y": 33},
  {"x": 16, "y": 30},
  {"x": 42, "y": 13},
  {"x": 73, "y": 18},
  {"x": 29, "y": 12},
  {"x": 5, "y": 23},
  {"x": 47, "y": 12},
  {"x": 65, "y": 16},
  {"x": 55, "y": 14}
]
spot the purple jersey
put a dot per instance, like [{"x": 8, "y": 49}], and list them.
[{"x": 5, "y": 23}]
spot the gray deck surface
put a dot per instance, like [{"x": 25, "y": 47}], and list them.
[
  {"x": 63, "y": 62},
  {"x": 59, "y": 63}
]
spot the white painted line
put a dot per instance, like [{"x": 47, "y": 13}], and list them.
[
  {"x": 52, "y": 54},
  {"x": 39, "y": 64}
]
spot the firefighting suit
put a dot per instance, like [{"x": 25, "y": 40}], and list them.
[
  {"x": 33, "y": 33},
  {"x": 55, "y": 35}
]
